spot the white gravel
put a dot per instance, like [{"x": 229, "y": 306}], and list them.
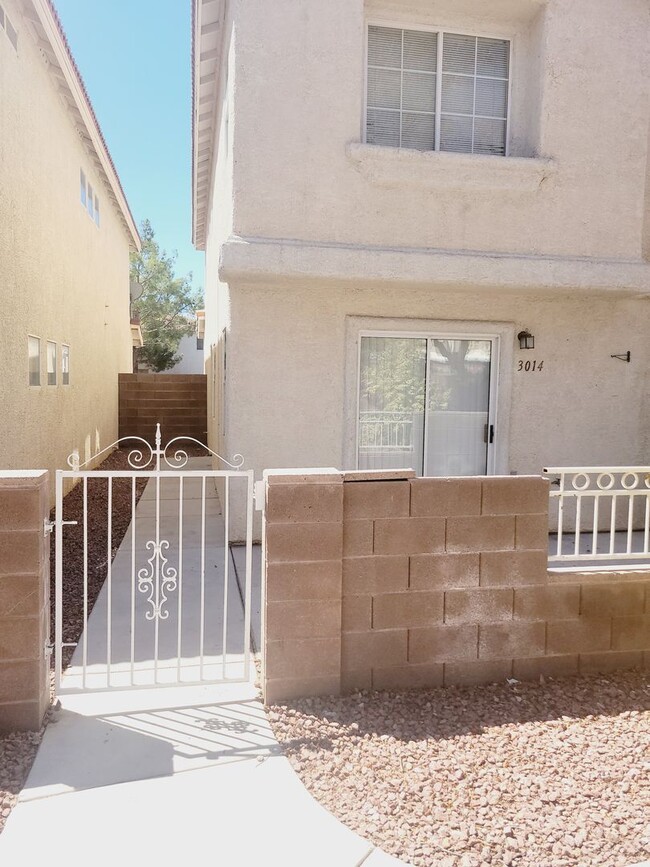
[{"x": 551, "y": 774}]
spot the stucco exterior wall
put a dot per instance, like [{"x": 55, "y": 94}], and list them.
[
  {"x": 63, "y": 278},
  {"x": 579, "y": 101},
  {"x": 314, "y": 235},
  {"x": 292, "y": 373},
  {"x": 220, "y": 224}
]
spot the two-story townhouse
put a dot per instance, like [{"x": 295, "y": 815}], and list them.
[
  {"x": 426, "y": 231},
  {"x": 65, "y": 235}
]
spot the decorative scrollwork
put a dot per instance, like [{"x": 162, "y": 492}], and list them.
[
  {"x": 157, "y": 584},
  {"x": 180, "y": 456},
  {"x": 139, "y": 458},
  {"x": 598, "y": 480}
]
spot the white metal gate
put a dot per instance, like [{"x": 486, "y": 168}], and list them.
[{"x": 166, "y": 605}]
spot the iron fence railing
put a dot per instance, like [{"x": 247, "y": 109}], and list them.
[
  {"x": 386, "y": 430},
  {"x": 602, "y": 514}
]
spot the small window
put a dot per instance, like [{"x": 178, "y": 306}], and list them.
[
  {"x": 65, "y": 364},
  {"x": 90, "y": 202},
  {"x": 34, "y": 355},
  {"x": 11, "y": 33},
  {"x": 199, "y": 343},
  {"x": 97, "y": 210},
  {"x": 8, "y": 27},
  {"x": 51, "y": 362},
  {"x": 82, "y": 182}
]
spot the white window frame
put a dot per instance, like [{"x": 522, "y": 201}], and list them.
[
  {"x": 501, "y": 379},
  {"x": 40, "y": 361},
  {"x": 440, "y": 31}
]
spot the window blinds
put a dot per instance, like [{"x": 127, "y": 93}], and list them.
[{"x": 402, "y": 109}]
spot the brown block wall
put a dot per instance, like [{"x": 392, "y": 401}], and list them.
[
  {"x": 303, "y": 566},
  {"x": 443, "y": 581},
  {"x": 178, "y": 402},
  {"x": 24, "y": 595}
]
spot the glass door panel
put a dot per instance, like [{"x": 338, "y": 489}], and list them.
[
  {"x": 458, "y": 406},
  {"x": 392, "y": 387}
]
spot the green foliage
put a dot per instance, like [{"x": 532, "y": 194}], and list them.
[
  {"x": 392, "y": 375},
  {"x": 166, "y": 304}
]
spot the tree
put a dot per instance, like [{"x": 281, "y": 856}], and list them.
[{"x": 165, "y": 304}]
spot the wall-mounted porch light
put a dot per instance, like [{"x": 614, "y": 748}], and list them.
[{"x": 526, "y": 340}]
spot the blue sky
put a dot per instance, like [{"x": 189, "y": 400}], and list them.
[{"x": 134, "y": 56}]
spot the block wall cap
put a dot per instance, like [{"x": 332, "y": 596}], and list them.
[
  {"x": 19, "y": 474},
  {"x": 379, "y": 476},
  {"x": 614, "y": 575},
  {"x": 303, "y": 476},
  {"x": 13, "y": 479}
]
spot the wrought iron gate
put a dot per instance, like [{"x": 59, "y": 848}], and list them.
[{"x": 166, "y": 603}]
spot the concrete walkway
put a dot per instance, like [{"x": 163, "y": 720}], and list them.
[{"x": 170, "y": 775}]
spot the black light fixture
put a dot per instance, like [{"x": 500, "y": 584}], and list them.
[{"x": 526, "y": 340}]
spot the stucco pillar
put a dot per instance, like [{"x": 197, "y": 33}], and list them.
[{"x": 24, "y": 599}]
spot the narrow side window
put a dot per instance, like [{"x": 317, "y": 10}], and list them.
[
  {"x": 91, "y": 209},
  {"x": 51, "y": 362},
  {"x": 34, "y": 360},
  {"x": 82, "y": 187},
  {"x": 65, "y": 364}
]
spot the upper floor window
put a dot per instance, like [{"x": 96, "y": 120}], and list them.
[
  {"x": 437, "y": 91},
  {"x": 89, "y": 198},
  {"x": 9, "y": 28},
  {"x": 91, "y": 207}
]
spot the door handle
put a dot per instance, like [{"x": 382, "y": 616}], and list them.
[{"x": 489, "y": 433}]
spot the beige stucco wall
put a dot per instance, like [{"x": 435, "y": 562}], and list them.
[
  {"x": 219, "y": 229},
  {"x": 580, "y": 99},
  {"x": 313, "y": 232},
  {"x": 62, "y": 278},
  {"x": 292, "y": 373}
]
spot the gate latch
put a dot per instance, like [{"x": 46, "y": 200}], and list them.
[{"x": 48, "y": 525}]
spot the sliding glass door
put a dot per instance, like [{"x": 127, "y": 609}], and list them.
[{"x": 426, "y": 403}]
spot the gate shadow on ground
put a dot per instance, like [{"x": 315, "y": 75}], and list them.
[
  {"x": 83, "y": 751},
  {"x": 443, "y": 714}
]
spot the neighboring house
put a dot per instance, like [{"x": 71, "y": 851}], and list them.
[
  {"x": 191, "y": 349},
  {"x": 65, "y": 235},
  {"x": 389, "y": 194}
]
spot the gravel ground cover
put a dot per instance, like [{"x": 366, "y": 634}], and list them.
[
  {"x": 549, "y": 774},
  {"x": 17, "y": 750}
]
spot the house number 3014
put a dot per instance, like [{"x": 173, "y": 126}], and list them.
[{"x": 530, "y": 366}]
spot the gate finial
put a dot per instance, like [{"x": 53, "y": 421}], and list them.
[{"x": 158, "y": 451}]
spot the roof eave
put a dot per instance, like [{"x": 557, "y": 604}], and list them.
[
  {"x": 52, "y": 28},
  {"x": 207, "y": 42}
]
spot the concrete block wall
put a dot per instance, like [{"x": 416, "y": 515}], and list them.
[
  {"x": 438, "y": 582},
  {"x": 177, "y": 401},
  {"x": 24, "y": 598}
]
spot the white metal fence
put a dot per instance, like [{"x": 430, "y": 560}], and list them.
[
  {"x": 602, "y": 514},
  {"x": 171, "y": 608},
  {"x": 386, "y": 430}
]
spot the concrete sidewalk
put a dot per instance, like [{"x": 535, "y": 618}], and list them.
[
  {"x": 165, "y": 776},
  {"x": 168, "y": 775}
]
